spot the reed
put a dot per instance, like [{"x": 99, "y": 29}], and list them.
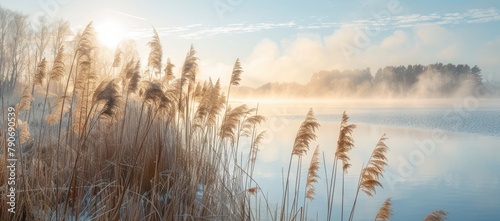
[
  {"x": 121, "y": 147},
  {"x": 155, "y": 54},
  {"x": 385, "y": 211},
  {"x": 305, "y": 135},
  {"x": 345, "y": 143},
  {"x": 369, "y": 176},
  {"x": 437, "y": 215}
]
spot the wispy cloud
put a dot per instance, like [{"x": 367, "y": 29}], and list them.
[
  {"x": 199, "y": 31},
  {"x": 412, "y": 20},
  {"x": 129, "y": 15},
  {"x": 236, "y": 29}
]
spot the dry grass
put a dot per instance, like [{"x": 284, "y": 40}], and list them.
[
  {"x": 166, "y": 148},
  {"x": 126, "y": 156}
]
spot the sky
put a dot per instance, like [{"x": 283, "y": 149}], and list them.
[{"x": 285, "y": 41}]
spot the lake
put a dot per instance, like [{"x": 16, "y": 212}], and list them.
[{"x": 444, "y": 155}]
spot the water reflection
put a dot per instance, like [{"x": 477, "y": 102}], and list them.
[{"x": 428, "y": 169}]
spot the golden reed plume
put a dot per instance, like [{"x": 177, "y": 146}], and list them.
[
  {"x": 312, "y": 175},
  {"x": 371, "y": 173},
  {"x": 155, "y": 53},
  {"x": 236, "y": 75},
  {"x": 305, "y": 134},
  {"x": 345, "y": 142},
  {"x": 169, "y": 73},
  {"x": 385, "y": 211},
  {"x": 25, "y": 101},
  {"x": 108, "y": 91},
  {"x": 40, "y": 72},
  {"x": 190, "y": 66},
  {"x": 438, "y": 215},
  {"x": 58, "y": 68},
  {"x": 58, "y": 108},
  {"x": 118, "y": 58}
]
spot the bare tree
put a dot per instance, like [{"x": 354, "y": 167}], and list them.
[
  {"x": 16, "y": 47},
  {"x": 61, "y": 31},
  {"x": 4, "y": 24}
]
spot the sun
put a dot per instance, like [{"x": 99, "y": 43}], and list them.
[{"x": 110, "y": 32}]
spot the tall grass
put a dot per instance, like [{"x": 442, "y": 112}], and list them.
[{"x": 126, "y": 147}]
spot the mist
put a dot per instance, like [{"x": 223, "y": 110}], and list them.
[{"x": 411, "y": 81}]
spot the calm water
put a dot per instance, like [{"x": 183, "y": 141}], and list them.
[{"x": 443, "y": 155}]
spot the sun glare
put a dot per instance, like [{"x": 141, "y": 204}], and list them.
[{"x": 110, "y": 32}]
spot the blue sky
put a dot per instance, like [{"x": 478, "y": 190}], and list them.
[{"x": 290, "y": 40}]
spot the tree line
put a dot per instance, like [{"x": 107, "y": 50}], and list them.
[{"x": 433, "y": 80}]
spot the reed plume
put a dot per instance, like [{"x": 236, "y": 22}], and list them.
[
  {"x": 190, "y": 66},
  {"x": 198, "y": 92},
  {"x": 385, "y": 211},
  {"x": 24, "y": 133},
  {"x": 58, "y": 109},
  {"x": 232, "y": 120},
  {"x": 58, "y": 68},
  {"x": 235, "y": 78},
  {"x": 369, "y": 177},
  {"x": 40, "y": 72},
  {"x": 87, "y": 40},
  {"x": 236, "y": 75},
  {"x": 345, "y": 142},
  {"x": 85, "y": 64},
  {"x": 217, "y": 100},
  {"x": 255, "y": 145},
  {"x": 108, "y": 91},
  {"x": 155, "y": 53},
  {"x": 250, "y": 123},
  {"x": 86, "y": 78},
  {"x": 205, "y": 103},
  {"x": 153, "y": 94},
  {"x": 173, "y": 95},
  {"x": 134, "y": 77},
  {"x": 118, "y": 58},
  {"x": 25, "y": 101},
  {"x": 127, "y": 69},
  {"x": 169, "y": 74},
  {"x": 438, "y": 215},
  {"x": 248, "y": 130},
  {"x": 371, "y": 173},
  {"x": 312, "y": 175},
  {"x": 305, "y": 134}
]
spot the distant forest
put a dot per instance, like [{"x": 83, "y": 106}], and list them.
[{"x": 420, "y": 81}]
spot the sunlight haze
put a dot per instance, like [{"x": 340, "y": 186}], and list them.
[
  {"x": 250, "y": 110},
  {"x": 277, "y": 39}
]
